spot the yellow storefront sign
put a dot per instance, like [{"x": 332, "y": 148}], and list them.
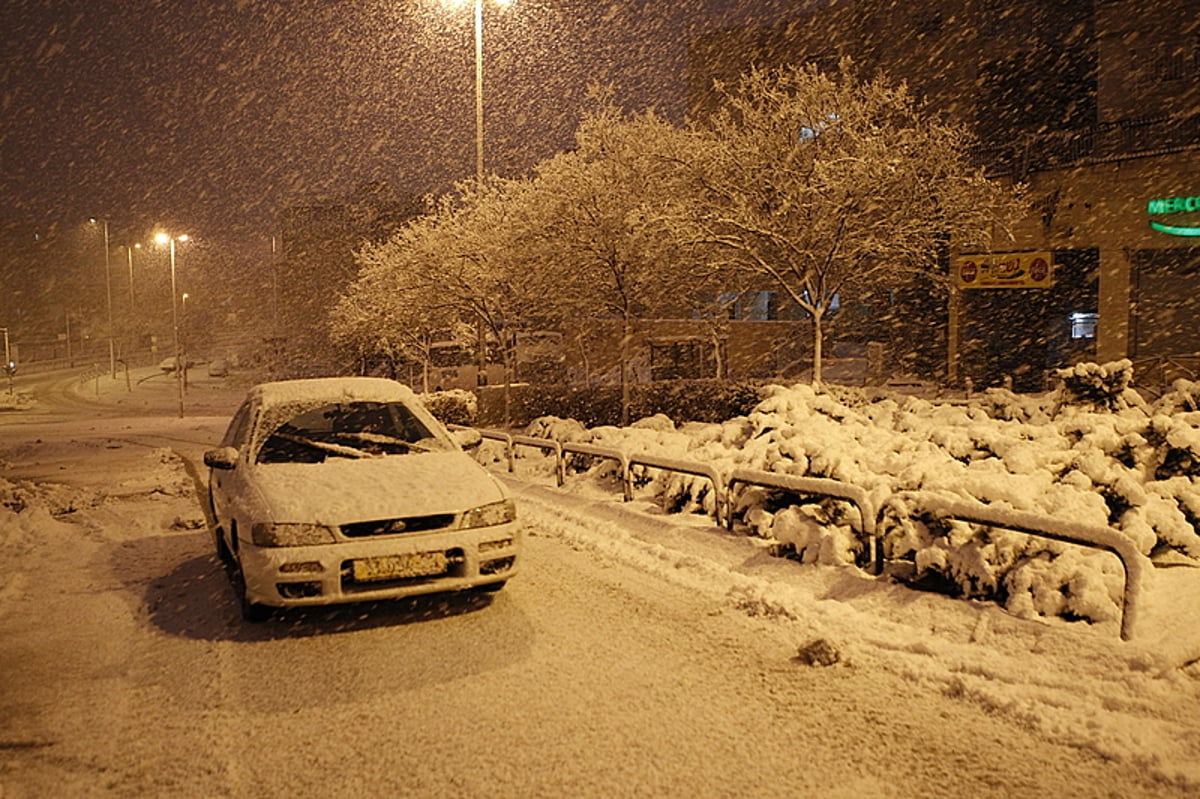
[{"x": 1006, "y": 270}]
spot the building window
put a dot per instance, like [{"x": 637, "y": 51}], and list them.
[
  {"x": 754, "y": 306},
  {"x": 835, "y": 301},
  {"x": 1170, "y": 63},
  {"x": 1083, "y": 325}
]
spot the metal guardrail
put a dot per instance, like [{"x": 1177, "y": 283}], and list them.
[
  {"x": 821, "y": 487},
  {"x": 1054, "y": 528},
  {"x": 608, "y": 453},
  {"x": 511, "y": 442},
  {"x": 546, "y": 445},
  {"x": 695, "y": 468},
  {"x": 495, "y": 435},
  {"x": 870, "y": 515}
]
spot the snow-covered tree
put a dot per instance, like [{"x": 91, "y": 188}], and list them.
[
  {"x": 600, "y": 211},
  {"x": 488, "y": 271},
  {"x": 393, "y": 309},
  {"x": 820, "y": 183},
  {"x": 462, "y": 267}
]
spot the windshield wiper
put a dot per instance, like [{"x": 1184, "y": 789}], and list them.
[{"x": 325, "y": 446}]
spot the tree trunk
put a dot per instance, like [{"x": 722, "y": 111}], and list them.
[
  {"x": 626, "y": 340},
  {"x": 818, "y": 337},
  {"x": 509, "y": 357}
]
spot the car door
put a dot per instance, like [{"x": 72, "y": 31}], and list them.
[{"x": 225, "y": 485}]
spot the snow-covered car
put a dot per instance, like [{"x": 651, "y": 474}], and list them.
[{"x": 338, "y": 490}]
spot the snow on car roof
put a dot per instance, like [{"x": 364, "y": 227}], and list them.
[{"x": 362, "y": 389}]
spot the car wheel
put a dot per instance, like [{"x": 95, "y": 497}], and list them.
[
  {"x": 254, "y": 612},
  {"x": 218, "y": 535},
  {"x": 251, "y": 611},
  {"x": 219, "y": 544}
]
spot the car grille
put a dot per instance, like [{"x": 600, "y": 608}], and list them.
[{"x": 411, "y": 524}]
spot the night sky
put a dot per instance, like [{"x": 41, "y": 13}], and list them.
[{"x": 217, "y": 115}]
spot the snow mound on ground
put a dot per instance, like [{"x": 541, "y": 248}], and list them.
[
  {"x": 165, "y": 475},
  {"x": 27, "y": 512}
]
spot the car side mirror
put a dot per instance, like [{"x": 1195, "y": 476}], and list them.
[
  {"x": 221, "y": 458},
  {"x": 467, "y": 438}
]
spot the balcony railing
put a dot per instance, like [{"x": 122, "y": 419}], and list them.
[{"x": 1106, "y": 141}]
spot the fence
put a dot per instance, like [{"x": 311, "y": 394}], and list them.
[{"x": 870, "y": 510}]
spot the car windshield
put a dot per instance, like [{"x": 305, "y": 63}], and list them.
[{"x": 348, "y": 430}]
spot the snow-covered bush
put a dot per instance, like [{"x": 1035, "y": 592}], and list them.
[
  {"x": 702, "y": 400},
  {"x": 1093, "y": 453},
  {"x": 18, "y": 401},
  {"x": 1099, "y": 387},
  {"x": 455, "y": 406}
]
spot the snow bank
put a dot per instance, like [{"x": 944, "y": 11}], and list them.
[{"x": 1093, "y": 452}]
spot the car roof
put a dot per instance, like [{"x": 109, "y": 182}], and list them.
[{"x": 331, "y": 389}]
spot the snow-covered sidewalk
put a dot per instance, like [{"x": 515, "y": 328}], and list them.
[{"x": 1078, "y": 683}]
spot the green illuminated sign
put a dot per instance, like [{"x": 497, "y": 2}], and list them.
[{"x": 1174, "y": 205}]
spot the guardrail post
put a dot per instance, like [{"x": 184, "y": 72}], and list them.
[
  {"x": 1055, "y": 529},
  {"x": 820, "y": 487}
]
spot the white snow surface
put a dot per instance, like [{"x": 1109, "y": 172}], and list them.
[{"x": 1136, "y": 702}]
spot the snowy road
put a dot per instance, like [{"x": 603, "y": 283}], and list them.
[{"x": 605, "y": 669}]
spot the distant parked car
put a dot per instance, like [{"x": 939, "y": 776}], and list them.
[
  {"x": 168, "y": 364},
  {"x": 345, "y": 489},
  {"x": 218, "y": 367}
]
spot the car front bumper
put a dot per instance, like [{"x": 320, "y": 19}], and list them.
[{"x": 380, "y": 568}]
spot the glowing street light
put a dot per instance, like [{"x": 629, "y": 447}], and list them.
[
  {"x": 479, "y": 79},
  {"x": 166, "y": 238}
]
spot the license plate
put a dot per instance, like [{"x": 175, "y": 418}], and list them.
[{"x": 391, "y": 567}]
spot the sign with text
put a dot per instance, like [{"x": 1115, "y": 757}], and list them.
[
  {"x": 1185, "y": 213},
  {"x": 1004, "y": 270}
]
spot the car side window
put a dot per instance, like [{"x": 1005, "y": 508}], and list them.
[{"x": 239, "y": 428}]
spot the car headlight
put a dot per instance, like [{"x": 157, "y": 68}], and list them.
[
  {"x": 291, "y": 535},
  {"x": 500, "y": 512}
]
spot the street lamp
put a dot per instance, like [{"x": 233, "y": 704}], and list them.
[
  {"x": 112, "y": 353},
  {"x": 165, "y": 238},
  {"x": 479, "y": 81}
]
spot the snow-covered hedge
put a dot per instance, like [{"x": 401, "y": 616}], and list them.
[
  {"x": 1093, "y": 452},
  {"x": 455, "y": 406},
  {"x": 699, "y": 399}
]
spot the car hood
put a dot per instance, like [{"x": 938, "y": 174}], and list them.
[{"x": 345, "y": 490}]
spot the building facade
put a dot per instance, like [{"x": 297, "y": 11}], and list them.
[{"x": 1095, "y": 106}]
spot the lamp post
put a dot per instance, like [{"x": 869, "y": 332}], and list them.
[
  {"x": 131, "y": 325},
  {"x": 479, "y": 133},
  {"x": 479, "y": 83},
  {"x": 165, "y": 238},
  {"x": 129, "y": 248},
  {"x": 112, "y": 353}
]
